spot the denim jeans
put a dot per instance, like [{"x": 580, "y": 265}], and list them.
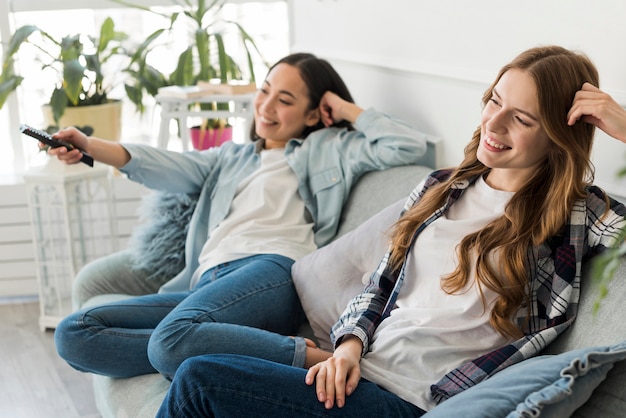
[
  {"x": 238, "y": 386},
  {"x": 248, "y": 306}
]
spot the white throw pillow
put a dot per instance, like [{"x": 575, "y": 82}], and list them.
[{"x": 328, "y": 278}]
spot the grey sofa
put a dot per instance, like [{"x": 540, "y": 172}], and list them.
[{"x": 141, "y": 396}]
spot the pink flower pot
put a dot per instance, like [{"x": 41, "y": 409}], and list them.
[{"x": 211, "y": 138}]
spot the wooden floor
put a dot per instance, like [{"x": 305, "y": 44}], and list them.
[{"x": 34, "y": 381}]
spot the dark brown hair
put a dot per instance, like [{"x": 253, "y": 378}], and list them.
[{"x": 319, "y": 77}]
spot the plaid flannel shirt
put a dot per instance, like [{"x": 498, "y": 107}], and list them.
[{"x": 554, "y": 283}]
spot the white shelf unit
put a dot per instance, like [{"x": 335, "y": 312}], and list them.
[
  {"x": 73, "y": 222},
  {"x": 181, "y": 109}
]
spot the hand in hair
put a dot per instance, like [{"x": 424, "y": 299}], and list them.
[
  {"x": 592, "y": 105},
  {"x": 334, "y": 109}
]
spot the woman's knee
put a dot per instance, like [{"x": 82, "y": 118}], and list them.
[
  {"x": 66, "y": 339},
  {"x": 164, "y": 351}
]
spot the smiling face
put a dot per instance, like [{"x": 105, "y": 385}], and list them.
[
  {"x": 281, "y": 107},
  {"x": 513, "y": 141}
]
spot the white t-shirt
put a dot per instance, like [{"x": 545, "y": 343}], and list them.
[
  {"x": 432, "y": 332},
  {"x": 267, "y": 216}
]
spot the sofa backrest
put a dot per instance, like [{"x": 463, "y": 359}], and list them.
[
  {"x": 376, "y": 190},
  {"x": 606, "y": 326}
]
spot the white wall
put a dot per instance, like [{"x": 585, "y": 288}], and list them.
[{"x": 429, "y": 61}]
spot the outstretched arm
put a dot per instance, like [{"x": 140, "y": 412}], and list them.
[{"x": 592, "y": 105}]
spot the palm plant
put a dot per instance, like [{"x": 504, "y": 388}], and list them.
[{"x": 205, "y": 58}]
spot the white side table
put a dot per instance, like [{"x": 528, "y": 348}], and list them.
[
  {"x": 73, "y": 221},
  {"x": 240, "y": 106}
]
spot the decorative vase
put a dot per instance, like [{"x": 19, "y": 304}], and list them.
[
  {"x": 105, "y": 119},
  {"x": 211, "y": 138}
]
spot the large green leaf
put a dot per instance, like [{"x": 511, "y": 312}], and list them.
[
  {"x": 149, "y": 79},
  {"x": 107, "y": 34},
  {"x": 73, "y": 72},
  {"x": 142, "y": 50},
  {"x": 222, "y": 58},
  {"x": 93, "y": 64},
  {"x": 18, "y": 38},
  {"x": 204, "y": 52},
  {"x": 58, "y": 103},
  {"x": 249, "y": 41},
  {"x": 183, "y": 74},
  {"x": 71, "y": 48},
  {"x": 7, "y": 87},
  {"x": 135, "y": 95},
  {"x": 9, "y": 81}
]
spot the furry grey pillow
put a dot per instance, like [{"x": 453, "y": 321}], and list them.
[{"x": 157, "y": 244}]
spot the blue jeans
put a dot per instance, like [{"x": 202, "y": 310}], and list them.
[
  {"x": 238, "y": 386},
  {"x": 248, "y": 306}
]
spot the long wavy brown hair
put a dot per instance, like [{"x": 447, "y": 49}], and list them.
[{"x": 538, "y": 210}]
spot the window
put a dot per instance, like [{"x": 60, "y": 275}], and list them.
[{"x": 266, "y": 21}]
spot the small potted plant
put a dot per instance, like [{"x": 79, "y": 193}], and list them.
[
  {"x": 79, "y": 62},
  {"x": 210, "y": 133},
  {"x": 205, "y": 60}
]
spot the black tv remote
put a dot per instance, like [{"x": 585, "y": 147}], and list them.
[{"x": 47, "y": 139}]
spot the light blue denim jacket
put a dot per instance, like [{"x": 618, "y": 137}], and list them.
[{"x": 326, "y": 164}]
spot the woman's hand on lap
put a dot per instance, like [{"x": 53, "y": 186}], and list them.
[{"x": 338, "y": 376}]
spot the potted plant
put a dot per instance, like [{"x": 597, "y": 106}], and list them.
[
  {"x": 210, "y": 133},
  {"x": 80, "y": 62},
  {"x": 204, "y": 60}
]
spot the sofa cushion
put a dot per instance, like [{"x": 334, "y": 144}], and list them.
[
  {"x": 544, "y": 386},
  {"x": 609, "y": 399},
  {"x": 356, "y": 252},
  {"x": 328, "y": 278},
  {"x": 139, "y": 396},
  {"x": 376, "y": 190},
  {"x": 601, "y": 327},
  {"x": 157, "y": 243}
]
